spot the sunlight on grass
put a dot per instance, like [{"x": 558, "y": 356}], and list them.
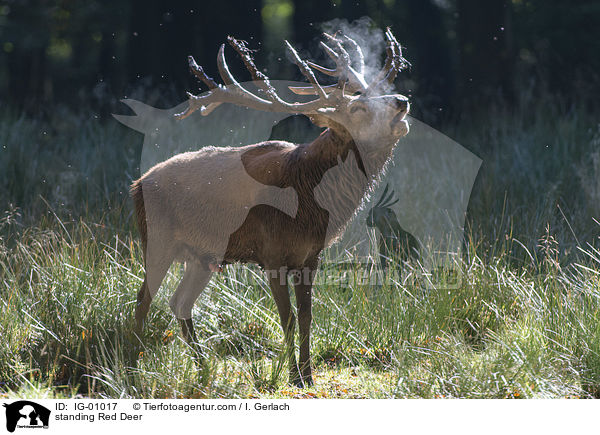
[
  {"x": 523, "y": 323},
  {"x": 506, "y": 332}
]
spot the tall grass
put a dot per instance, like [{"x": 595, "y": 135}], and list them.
[
  {"x": 540, "y": 167},
  {"x": 523, "y": 322},
  {"x": 67, "y": 307}
]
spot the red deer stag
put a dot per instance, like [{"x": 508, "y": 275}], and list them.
[{"x": 200, "y": 209}]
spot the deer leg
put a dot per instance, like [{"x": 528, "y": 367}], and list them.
[
  {"x": 303, "y": 289},
  {"x": 156, "y": 269},
  {"x": 142, "y": 307},
  {"x": 187, "y": 330},
  {"x": 195, "y": 278},
  {"x": 279, "y": 288}
]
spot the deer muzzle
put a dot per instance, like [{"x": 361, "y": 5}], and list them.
[{"x": 399, "y": 123}]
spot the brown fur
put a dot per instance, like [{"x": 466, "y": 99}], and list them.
[{"x": 140, "y": 212}]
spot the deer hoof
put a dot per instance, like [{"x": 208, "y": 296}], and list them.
[
  {"x": 305, "y": 382},
  {"x": 308, "y": 381},
  {"x": 217, "y": 268}
]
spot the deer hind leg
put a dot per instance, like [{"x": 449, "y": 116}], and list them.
[
  {"x": 156, "y": 269},
  {"x": 195, "y": 279},
  {"x": 279, "y": 288}
]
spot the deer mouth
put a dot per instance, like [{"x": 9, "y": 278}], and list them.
[{"x": 399, "y": 124}]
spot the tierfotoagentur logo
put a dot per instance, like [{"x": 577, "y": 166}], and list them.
[
  {"x": 353, "y": 203},
  {"x": 25, "y": 414}
]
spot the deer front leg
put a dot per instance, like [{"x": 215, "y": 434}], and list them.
[
  {"x": 303, "y": 289},
  {"x": 279, "y": 288}
]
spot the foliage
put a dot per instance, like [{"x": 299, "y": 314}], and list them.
[
  {"x": 56, "y": 51},
  {"x": 523, "y": 323}
]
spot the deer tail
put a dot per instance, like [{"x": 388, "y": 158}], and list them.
[{"x": 140, "y": 211}]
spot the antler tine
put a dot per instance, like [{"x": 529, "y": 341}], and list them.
[
  {"x": 329, "y": 72},
  {"x": 218, "y": 94},
  {"x": 333, "y": 55},
  {"x": 344, "y": 54},
  {"x": 309, "y": 90},
  {"x": 330, "y": 52},
  {"x": 394, "y": 61},
  {"x": 195, "y": 103},
  {"x": 235, "y": 93},
  {"x": 389, "y": 60},
  {"x": 399, "y": 61},
  {"x": 343, "y": 64},
  {"x": 224, "y": 72},
  {"x": 305, "y": 70},
  {"x": 198, "y": 71},
  {"x": 228, "y": 79},
  {"x": 356, "y": 47},
  {"x": 260, "y": 79}
]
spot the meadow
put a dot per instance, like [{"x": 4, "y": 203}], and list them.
[{"x": 524, "y": 323}]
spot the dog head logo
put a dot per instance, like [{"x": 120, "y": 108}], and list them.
[{"x": 26, "y": 414}]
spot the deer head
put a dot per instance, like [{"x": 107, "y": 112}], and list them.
[{"x": 352, "y": 107}]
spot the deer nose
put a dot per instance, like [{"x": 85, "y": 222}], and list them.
[{"x": 402, "y": 104}]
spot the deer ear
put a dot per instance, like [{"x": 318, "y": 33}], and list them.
[{"x": 144, "y": 115}]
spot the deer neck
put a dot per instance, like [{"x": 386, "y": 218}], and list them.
[
  {"x": 343, "y": 173},
  {"x": 325, "y": 149},
  {"x": 338, "y": 142}
]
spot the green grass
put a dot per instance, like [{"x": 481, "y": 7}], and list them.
[
  {"x": 524, "y": 322},
  {"x": 67, "y": 311}
]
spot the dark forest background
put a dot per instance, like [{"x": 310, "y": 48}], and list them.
[
  {"x": 515, "y": 82},
  {"x": 91, "y": 53}
]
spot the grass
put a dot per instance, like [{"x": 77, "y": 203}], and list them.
[
  {"x": 503, "y": 333},
  {"x": 522, "y": 324}
]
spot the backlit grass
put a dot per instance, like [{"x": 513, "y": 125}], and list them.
[{"x": 523, "y": 323}]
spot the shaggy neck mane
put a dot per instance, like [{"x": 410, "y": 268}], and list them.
[{"x": 332, "y": 172}]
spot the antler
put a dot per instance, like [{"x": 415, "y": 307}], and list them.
[
  {"x": 235, "y": 93},
  {"x": 353, "y": 79},
  {"x": 348, "y": 77},
  {"x": 394, "y": 62}
]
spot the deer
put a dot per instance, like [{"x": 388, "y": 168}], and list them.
[
  {"x": 394, "y": 241},
  {"x": 274, "y": 203}
]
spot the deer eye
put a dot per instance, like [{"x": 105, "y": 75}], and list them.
[{"x": 355, "y": 108}]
